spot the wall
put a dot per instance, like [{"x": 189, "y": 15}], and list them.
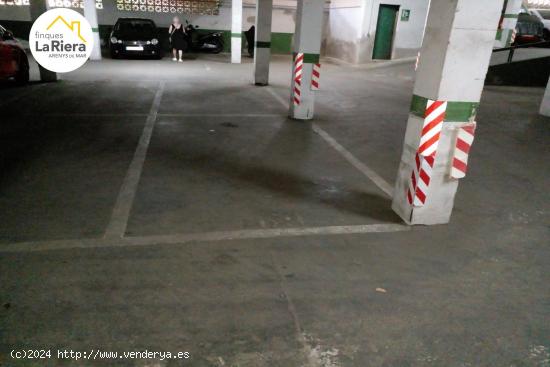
[
  {"x": 284, "y": 16},
  {"x": 343, "y": 29},
  {"x": 349, "y": 27},
  {"x": 352, "y": 28}
]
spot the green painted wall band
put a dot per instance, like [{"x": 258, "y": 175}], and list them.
[
  {"x": 456, "y": 111},
  {"x": 510, "y": 16},
  {"x": 310, "y": 58},
  {"x": 236, "y": 35},
  {"x": 260, "y": 44},
  {"x": 281, "y": 43},
  {"x": 499, "y": 34},
  {"x": 96, "y": 30}
]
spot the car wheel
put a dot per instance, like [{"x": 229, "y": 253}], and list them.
[{"x": 22, "y": 76}]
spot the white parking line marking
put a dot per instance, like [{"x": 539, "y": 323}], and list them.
[
  {"x": 181, "y": 239},
  {"x": 364, "y": 169},
  {"x": 119, "y": 217},
  {"x": 277, "y": 97},
  {"x": 87, "y": 114},
  {"x": 369, "y": 173},
  {"x": 222, "y": 115}
]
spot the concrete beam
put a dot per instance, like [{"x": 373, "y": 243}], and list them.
[
  {"x": 236, "y": 30},
  {"x": 90, "y": 13},
  {"x": 37, "y": 8},
  {"x": 262, "y": 39},
  {"x": 454, "y": 60},
  {"x": 307, "y": 42}
]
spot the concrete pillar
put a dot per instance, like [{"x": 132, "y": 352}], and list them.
[
  {"x": 545, "y": 106},
  {"x": 236, "y": 30},
  {"x": 262, "y": 39},
  {"x": 37, "y": 8},
  {"x": 307, "y": 41},
  {"x": 90, "y": 13},
  {"x": 509, "y": 21},
  {"x": 453, "y": 64}
]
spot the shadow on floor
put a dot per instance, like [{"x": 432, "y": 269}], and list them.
[{"x": 278, "y": 169}]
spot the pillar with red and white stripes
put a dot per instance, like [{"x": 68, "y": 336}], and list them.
[
  {"x": 545, "y": 106},
  {"x": 464, "y": 140},
  {"x": 307, "y": 46},
  {"x": 316, "y": 77},
  {"x": 451, "y": 71}
]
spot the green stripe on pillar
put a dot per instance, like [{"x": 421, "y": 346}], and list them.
[
  {"x": 510, "y": 16},
  {"x": 509, "y": 39},
  {"x": 456, "y": 111},
  {"x": 310, "y": 58},
  {"x": 499, "y": 35},
  {"x": 263, "y": 44},
  {"x": 96, "y": 30},
  {"x": 236, "y": 35}
]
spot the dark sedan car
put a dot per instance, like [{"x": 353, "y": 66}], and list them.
[
  {"x": 529, "y": 29},
  {"x": 134, "y": 37},
  {"x": 13, "y": 59}
]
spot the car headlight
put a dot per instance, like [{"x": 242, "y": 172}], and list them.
[
  {"x": 155, "y": 41},
  {"x": 113, "y": 40}
]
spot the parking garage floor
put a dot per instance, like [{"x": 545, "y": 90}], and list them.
[{"x": 149, "y": 205}]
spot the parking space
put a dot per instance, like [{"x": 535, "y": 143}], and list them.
[
  {"x": 62, "y": 174},
  {"x": 237, "y": 172}
]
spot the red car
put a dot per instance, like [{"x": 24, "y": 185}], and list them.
[{"x": 13, "y": 58}]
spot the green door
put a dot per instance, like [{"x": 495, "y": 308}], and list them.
[{"x": 385, "y": 28}]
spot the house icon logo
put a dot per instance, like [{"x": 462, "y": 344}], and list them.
[
  {"x": 74, "y": 26},
  {"x": 61, "y": 40}
]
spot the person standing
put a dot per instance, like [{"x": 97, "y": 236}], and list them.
[{"x": 177, "y": 39}]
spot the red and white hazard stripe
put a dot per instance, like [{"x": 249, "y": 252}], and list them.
[
  {"x": 513, "y": 37},
  {"x": 315, "y": 75},
  {"x": 431, "y": 130},
  {"x": 464, "y": 140},
  {"x": 298, "y": 71},
  {"x": 420, "y": 180},
  {"x": 434, "y": 116}
]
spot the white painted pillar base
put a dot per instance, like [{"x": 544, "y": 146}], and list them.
[
  {"x": 262, "y": 41},
  {"x": 307, "y": 41},
  {"x": 236, "y": 30},
  {"x": 439, "y": 205},
  {"x": 90, "y": 13},
  {"x": 545, "y": 106},
  {"x": 453, "y": 64},
  {"x": 37, "y": 8}
]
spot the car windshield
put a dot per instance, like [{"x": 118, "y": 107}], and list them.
[
  {"x": 136, "y": 28},
  {"x": 545, "y": 14}
]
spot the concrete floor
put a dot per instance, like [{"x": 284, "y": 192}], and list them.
[{"x": 249, "y": 239}]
